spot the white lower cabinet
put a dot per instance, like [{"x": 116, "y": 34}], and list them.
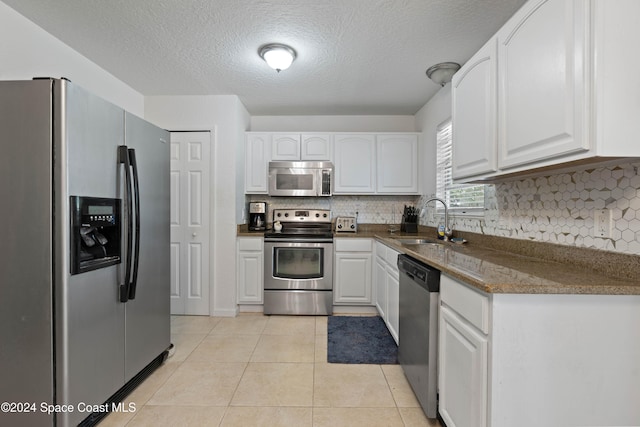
[
  {"x": 380, "y": 285},
  {"x": 352, "y": 271},
  {"x": 537, "y": 359},
  {"x": 462, "y": 372},
  {"x": 393, "y": 307},
  {"x": 387, "y": 285},
  {"x": 250, "y": 270},
  {"x": 463, "y": 355}
]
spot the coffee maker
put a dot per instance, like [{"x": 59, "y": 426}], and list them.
[{"x": 257, "y": 216}]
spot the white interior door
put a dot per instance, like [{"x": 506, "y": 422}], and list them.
[{"x": 190, "y": 170}]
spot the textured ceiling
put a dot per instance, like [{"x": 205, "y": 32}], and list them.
[{"x": 364, "y": 57}]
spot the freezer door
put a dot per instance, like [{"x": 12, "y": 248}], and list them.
[
  {"x": 26, "y": 351},
  {"x": 147, "y": 314},
  {"x": 89, "y": 319}
]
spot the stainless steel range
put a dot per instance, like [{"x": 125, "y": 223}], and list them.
[{"x": 298, "y": 266}]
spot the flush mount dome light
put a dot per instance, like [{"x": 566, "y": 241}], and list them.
[
  {"x": 277, "y": 56},
  {"x": 442, "y": 73}
]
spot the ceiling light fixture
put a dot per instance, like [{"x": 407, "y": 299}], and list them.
[
  {"x": 442, "y": 73},
  {"x": 277, "y": 56}
]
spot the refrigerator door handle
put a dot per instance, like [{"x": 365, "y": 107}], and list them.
[
  {"x": 123, "y": 158},
  {"x": 136, "y": 189}
]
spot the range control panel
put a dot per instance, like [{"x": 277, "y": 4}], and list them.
[{"x": 346, "y": 224}]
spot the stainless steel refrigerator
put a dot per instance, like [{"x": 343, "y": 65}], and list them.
[{"x": 84, "y": 253}]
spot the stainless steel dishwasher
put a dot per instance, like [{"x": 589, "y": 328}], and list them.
[{"x": 418, "y": 330}]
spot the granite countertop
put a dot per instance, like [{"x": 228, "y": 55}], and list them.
[
  {"x": 503, "y": 265},
  {"x": 246, "y": 233},
  {"x": 495, "y": 271}
]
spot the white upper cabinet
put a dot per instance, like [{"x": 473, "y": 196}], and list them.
[
  {"x": 364, "y": 163},
  {"x": 542, "y": 74},
  {"x": 474, "y": 114},
  {"x": 295, "y": 146},
  {"x": 383, "y": 163},
  {"x": 564, "y": 95},
  {"x": 257, "y": 157},
  {"x": 616, "y": 109},
  {"x": 397, "y": 164},
  {"x": 355, "y": 163},
  {"x": 316, "y": 146},
  {"x": 285, "y": 146}
]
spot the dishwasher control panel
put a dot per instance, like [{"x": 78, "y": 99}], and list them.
[{"x": 346, "y": 224}]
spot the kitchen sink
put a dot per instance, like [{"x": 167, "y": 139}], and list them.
[{"x": 416, "y": 241}]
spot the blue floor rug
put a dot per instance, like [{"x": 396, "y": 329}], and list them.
[{"x": 360, "y": 339}]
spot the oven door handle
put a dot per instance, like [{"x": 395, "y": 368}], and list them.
[{"x": 294, "y": 240}]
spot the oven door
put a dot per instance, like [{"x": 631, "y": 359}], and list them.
[{"x": 298, "y": 264}]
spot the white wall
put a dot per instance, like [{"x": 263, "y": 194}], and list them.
[
  {"x": 27, "y": 51},
  {"x": 333, "y": 124},
  {"x": 227, "y": 119},
  {"x": 434, "y": 112}
]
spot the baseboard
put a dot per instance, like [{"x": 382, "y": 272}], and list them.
[
  {"x": 225, "y": 313},
  {"x": 251, "y": 308},
  {"x": 337, "y": 309},
  {"x": 354, "y": 309}
]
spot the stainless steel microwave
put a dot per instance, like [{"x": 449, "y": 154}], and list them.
[{"x": 301, "y": 179}]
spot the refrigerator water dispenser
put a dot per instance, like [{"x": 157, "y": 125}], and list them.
[{"x": 95, "y": 233}]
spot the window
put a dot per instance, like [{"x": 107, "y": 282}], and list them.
[{"x": 461, "y": 198}]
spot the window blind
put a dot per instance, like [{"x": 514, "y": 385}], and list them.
[{"x": 461, "y": 198}]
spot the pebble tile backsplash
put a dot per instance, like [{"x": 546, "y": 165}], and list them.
[{"x": 556, "y": 208}]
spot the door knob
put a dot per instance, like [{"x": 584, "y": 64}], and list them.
[{"x": 194, "y": 234}]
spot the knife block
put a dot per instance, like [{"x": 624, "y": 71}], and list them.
[{"x": 408, "y": 227}]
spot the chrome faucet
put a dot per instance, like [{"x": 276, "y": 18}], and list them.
[{"x": 448, "y": 232}]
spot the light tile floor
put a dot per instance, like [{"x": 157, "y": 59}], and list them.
[{"x": 255, "y": 370}]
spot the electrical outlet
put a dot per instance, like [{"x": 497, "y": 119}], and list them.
[{"x": 603, "y": 223}]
